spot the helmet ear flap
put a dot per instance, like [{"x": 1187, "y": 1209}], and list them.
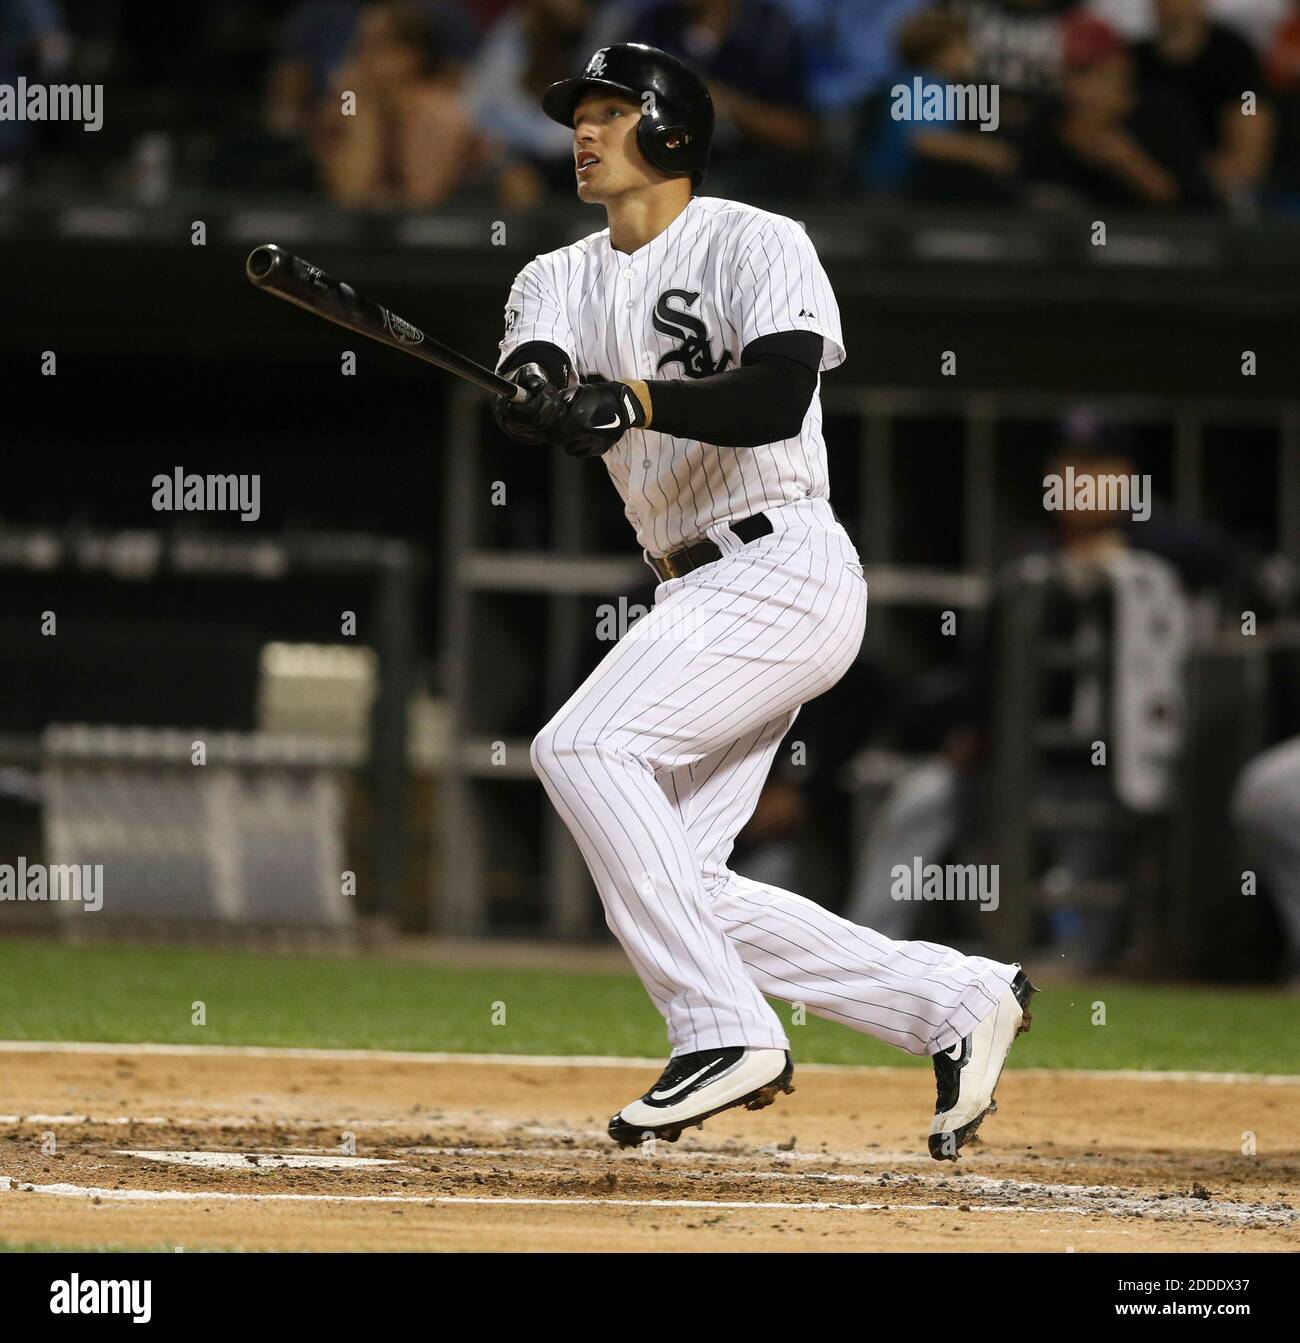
[{"x": 664, "y": 145}]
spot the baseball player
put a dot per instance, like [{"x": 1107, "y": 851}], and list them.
[{"x": 683, "y": 345}]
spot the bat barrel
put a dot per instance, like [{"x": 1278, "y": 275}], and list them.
[{"x": 289, "y": 277}]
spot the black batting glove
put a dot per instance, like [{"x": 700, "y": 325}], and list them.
[
  {"x": 530, "y": 420},
  {"x": 595, "y": 416}
]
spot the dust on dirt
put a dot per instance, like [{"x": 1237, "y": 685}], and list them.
[{"x": 132, "y": 1148}]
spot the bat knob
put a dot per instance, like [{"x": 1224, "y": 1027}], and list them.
[{"x": 262, "y": 261}]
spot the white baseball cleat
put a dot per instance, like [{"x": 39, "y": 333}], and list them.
[
  {"x": 693, "y": 1087},
  {"x": 967, "y": 1074}
]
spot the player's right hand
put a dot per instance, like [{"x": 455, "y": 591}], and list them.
[{"x": 530, "y": 420}]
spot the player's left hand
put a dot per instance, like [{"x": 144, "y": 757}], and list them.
[{"x": 596, "y": 415}]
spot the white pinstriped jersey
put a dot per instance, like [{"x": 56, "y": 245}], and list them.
[{"x": 686, "y": 305}]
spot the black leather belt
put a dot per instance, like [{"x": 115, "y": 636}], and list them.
[{"x": 679, "y": 562}]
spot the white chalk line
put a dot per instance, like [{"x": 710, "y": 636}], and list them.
[
  {"x": 673, "y": 1155},
  {"x": 954, "y": 1183},
  {"x": 260, "y": 1161},
  {"x": 665, "y": 1159},
  {"x": 55, "y": 1120},
  {"x": 1116, "y": 1208},
  {"x": 577, "y": 1061},
  {"x": 254, "y": 1121},
  {"x": 1118, "y": 1200},
  {"x": 447, "y": 1120},
  {"x": 8, "y": 1185}
]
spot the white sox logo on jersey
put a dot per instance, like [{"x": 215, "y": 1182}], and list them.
[
  {"x": 685, "y": 305},
  {"x": 695, "y": 353}
]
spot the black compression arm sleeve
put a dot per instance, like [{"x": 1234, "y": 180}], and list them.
[{"x": 762, "y": 401}]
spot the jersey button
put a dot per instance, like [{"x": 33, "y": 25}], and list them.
[
  {"x": 630, "y": 272},
  {"x": 631, "y": 303}
]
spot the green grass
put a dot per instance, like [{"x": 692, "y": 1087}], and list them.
[
  {"x": 86, "y": 1247},
  {"x": 114, "y": 993}
]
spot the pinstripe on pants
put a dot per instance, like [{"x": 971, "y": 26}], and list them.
[{"x": 656, "y": 762}]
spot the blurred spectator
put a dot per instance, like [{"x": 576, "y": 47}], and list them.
[
  {"x": 752, "y": 55},
  {"x": 313, "y": 44},
  {"x": 1255, "y": 20},
  {"x": 1282, "y": 62},
  {"x": 1209, "y": 66},
  {"x": 411, "y": 141},
  {"x": 852, "y": 48},
  {"x": 1109, "y": 142},
  {"x": 32, "y": 43},
  {"x": 1131, "y": 19},
  {"x": 1266, "y": 812},
  {"x": 933, "y": 159},
  {"x": 1282, "y": 69},
  {"x": 1019, "y": 46},
  {"x": 487, "y": 12},
  {"x": 528, "y": 48}
]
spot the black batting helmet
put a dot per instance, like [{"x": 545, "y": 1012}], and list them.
[{"x": 676, "y": 125}]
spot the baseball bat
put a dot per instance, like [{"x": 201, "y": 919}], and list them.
[{"x": 291, "y": 278}]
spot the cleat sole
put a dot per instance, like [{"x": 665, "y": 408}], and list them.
[{"x": 627, "y": 1135}]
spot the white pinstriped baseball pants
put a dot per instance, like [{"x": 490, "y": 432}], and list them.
[{"x": 657, "y": 761}]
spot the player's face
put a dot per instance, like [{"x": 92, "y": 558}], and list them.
[{"x": 605, "y": 154}]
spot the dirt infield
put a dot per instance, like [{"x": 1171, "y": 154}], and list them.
[{"x": 222, "y": 1150}]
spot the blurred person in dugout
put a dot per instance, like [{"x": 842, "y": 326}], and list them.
[
  {"x": 410, "y": 140},
  {"x": 1266, "y": 814},
  {"x": 1266, "y": 797},
  {"x": 1165, "y": 581}
]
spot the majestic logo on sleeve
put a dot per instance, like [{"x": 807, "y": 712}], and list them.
[{"x": 694, "y": 353}]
